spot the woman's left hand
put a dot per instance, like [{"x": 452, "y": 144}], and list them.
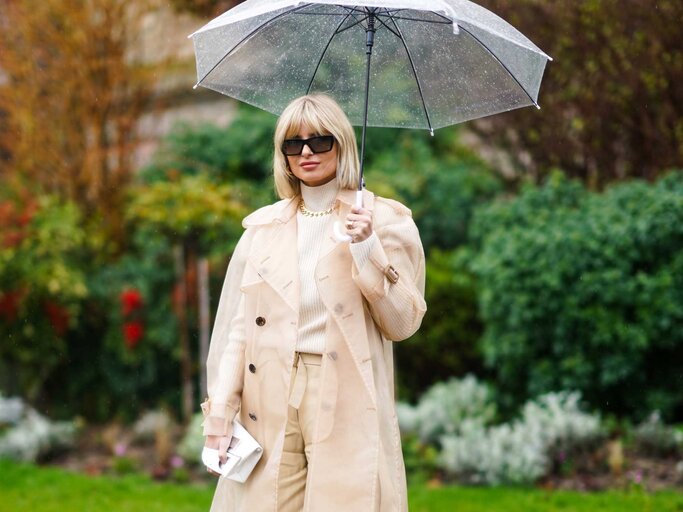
[{"x": 359, "y": 224}]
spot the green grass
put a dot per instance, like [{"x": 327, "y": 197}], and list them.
[
  {"x": 465, "y": 499},
  {"x": 25, "y": 487}
]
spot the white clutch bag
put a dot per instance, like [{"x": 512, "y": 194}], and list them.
[{"x": 243, "y": 455}]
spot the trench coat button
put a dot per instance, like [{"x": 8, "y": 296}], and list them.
[
  {"x": 252, "y": 368},
  {"x": 333, "y": 355},
  {"x": 260, "y": 321},
  {"x": 252, "y": 416}
]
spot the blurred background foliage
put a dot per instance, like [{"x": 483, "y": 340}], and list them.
[
  {"x": 553, "y": 238},
  {"x": 611, "y": 100},
  {"x": 584, "y": 291}
]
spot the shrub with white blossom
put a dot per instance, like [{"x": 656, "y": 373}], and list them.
[
  {"x": 653, "y": 437},
  {"x": 521, "y": 451},
  {"x": 445, "y": 406},
  {"x": 457, "y": 415},
  {"x": 190, "y": 447},
  {"x": 28, "y": 434},
  {"x": 507, "y": 453},
  {"x": 150, "y": 423}
]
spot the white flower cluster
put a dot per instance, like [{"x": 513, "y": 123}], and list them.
[
  {"x": 150, "y": 423},
  {"x": 654, "y": 437},
  {"x": 507, "y": 453},
  {"x": 458, "y": 415},
  {"x": 190, "y": 447},
  {"x": 521, "y": 451},
  {"x": 30, "y": 434},
  {"x": 445, "y": 407}
]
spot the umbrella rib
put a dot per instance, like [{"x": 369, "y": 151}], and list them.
[
  {"x": 417, "y": 78},
  {"x": 358, "y": 22},
  {"x": 320, "y": 13},
  {"x": 388, "y": 27},
  {"x": 257, "y": 29},
  {"x": 501, "y": 63},
  {"x": 322, "y": 55},
  {"x": 353, "y": 9},
  {"x": 434, "y": 22}
]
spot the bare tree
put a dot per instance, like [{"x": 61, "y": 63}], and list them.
[
  {"x": 612, "y": 101},
  {"x": 72, "y": 93}
]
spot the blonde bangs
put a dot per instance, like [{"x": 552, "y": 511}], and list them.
[
  {"x": 320, "y": 114},
  {"x": 304, "y": 117}
]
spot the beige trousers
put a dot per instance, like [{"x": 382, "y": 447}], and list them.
[{"x": 298, "y": 432}]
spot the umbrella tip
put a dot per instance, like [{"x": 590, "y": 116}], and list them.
[
  {"x": 431, "y": 132},
  {"x": 195, "y": 85},
  {"x": 538, "y": 107}
]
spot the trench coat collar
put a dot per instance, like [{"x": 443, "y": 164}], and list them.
[
  {"x": 285, "y": 210},
  {"x": 274, "y": 261}
]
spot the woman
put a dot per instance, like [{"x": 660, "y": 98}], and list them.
[{"x": 301, "y": 348}]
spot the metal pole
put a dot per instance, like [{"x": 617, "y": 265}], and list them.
[{"x": 369, "y": 42}]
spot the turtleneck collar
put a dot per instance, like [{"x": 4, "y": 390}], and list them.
[{"x": 321, "y": 197}]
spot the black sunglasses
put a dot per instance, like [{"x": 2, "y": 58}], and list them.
[{"x": 318, "y": 144}]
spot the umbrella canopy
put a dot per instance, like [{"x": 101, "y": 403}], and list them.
[{"x": 434, "y": 63}]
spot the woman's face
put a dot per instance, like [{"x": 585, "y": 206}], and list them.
[{"x": 313, "y": 169}]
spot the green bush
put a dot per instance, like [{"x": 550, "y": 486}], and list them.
[
  {"x": 42, "y": 286},
  {"x": 446, "y": 344},
  {"x": 442, "y": 182},
  {"x": 438, "y": 178},
  {"x": 585, "y": 291},
  {"x": 243, "y": 150}
]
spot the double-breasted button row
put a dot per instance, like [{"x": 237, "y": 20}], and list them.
[
  {"x": 260, "y": 321},
  {"x": 252, "y": 368},
  {"x": 252, "y": 416}
]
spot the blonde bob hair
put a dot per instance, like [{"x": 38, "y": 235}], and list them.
[{"x": 322, "y": 115}]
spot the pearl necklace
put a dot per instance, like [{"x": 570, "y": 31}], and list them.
[{"x": 310, "y": 213}]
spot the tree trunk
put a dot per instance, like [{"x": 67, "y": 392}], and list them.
[
  {"x": 185, "y": 357},
  {"x": 204, "y": 321}
]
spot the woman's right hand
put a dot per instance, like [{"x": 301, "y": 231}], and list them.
[{"x": 220, "y": 443}]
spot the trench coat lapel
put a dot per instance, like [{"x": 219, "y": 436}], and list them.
[
  {"x": 339, "y": 292},
  {"x": 276, "y": 261}
]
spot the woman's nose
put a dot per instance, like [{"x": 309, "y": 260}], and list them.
[{"x": 306, "y": 150}]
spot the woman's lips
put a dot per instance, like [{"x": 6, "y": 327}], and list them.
[{"x": 309, "y": 165}]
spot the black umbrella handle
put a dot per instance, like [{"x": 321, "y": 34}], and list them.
[{"x": 369, "y": 43}]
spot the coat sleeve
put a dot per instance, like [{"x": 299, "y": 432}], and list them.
[
  {"x": 225, "y": 363},
  {"x": 392, "y": 280}
]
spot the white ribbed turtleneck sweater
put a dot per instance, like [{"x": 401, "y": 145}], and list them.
[{"x": 310, "y": 235}]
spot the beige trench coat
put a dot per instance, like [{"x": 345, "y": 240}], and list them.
[{"x": 356, "y": 462}]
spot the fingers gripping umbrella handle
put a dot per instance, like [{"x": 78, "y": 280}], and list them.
[{"x": 339, "y": 233}]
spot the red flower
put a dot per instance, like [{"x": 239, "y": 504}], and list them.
[
  {"x": 58, "y": 315},
  {"x": 27, "y": 214},
  {"x": 7, "y": 214},
  {"x": 13, "y": 238},
  {"x": 131, "y": 300},
  {"x": 9, "y": 304},
  {"x": 132, "y": 333}
]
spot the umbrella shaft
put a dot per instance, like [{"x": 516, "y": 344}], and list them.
[{"x": 369, "y": 42}]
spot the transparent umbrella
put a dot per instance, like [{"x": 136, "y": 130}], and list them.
[{"x": 392, "y": 63}]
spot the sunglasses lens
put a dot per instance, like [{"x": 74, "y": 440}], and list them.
[
  {"x": 321, "y": 144},
  {"x": 292, "y": 147}
]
